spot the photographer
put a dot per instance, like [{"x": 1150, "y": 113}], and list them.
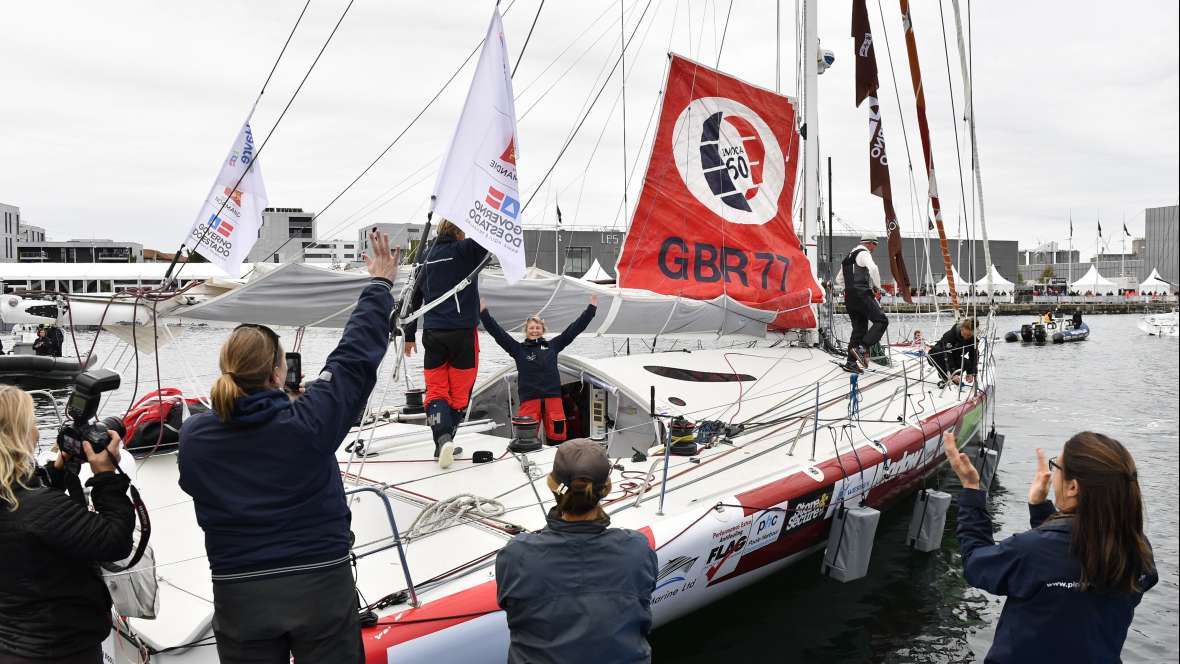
[
  {"x": 54, "y": 606},
  {"x": 1074, "y": 580},
  {"x": 266, "y": 487}
]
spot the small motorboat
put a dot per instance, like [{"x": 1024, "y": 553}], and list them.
[
  {"x": 34, "y": 372},
  {"x": 1161, "y": 325},
  {"x": 1072, "y": 331}
]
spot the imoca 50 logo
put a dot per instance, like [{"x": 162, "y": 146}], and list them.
[{"x": 729, "y": 159}]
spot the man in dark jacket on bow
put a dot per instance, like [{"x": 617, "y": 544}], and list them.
[
  {"x": 538, "y": 380},
  {"x": 449, "y": 332},
  {"x": 955, "y": 354},
  {"x": 578, "y": 590}
]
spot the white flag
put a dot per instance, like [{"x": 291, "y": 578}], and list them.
[
  {"x": 227, "y": 225},
  {"x": 476, "y": 188}
]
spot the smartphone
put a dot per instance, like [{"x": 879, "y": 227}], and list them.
[{"x": 294, "y": 372}]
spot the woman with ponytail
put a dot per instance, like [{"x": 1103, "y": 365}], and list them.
[
  {"x": 266, "y": 487},
  {"x": 578, "y": 590},
  {"x": 1074, "y": 580}
]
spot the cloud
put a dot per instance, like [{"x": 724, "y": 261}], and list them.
[{"x": 115, "y": 117}]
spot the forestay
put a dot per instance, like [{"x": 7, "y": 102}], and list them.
[{"x": 303, "y": 295}]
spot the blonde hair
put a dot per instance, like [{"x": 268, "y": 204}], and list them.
[
  {"x": 535, "y": 319},
  {"x": 967, "y": 324},
  {"x": 17, "y": 454},
  {"x": 248, "y": 359},
  {"x": 447, "y": 229}
]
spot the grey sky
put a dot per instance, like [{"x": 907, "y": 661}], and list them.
[{"x": 115, "y": 116}]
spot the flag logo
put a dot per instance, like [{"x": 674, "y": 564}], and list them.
[
  {"x": 729, "y": 159},
  {"x": 509, "y": 156},
  {"x": 234, "y": 195},
  {"x": 498, "y": 200},
  {"x": 220, "y": 225}
]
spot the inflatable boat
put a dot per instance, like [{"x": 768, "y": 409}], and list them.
[
  {"x": 1080, "y": 332},
  {"x": 41, "y": 372}
]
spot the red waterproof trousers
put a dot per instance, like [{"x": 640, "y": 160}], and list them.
[
  {"x": 450, "y": 362},
  {"x": 550, "y": 411}
]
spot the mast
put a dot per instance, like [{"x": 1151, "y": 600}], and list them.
[
  {"x": 969, "y": 112},
  {"x": 810, "y": 215},
  {"x": 927, "y": 153}
]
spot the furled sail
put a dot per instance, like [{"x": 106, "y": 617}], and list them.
[
  {"x": 879, "y": 183},
  {"x": 714, "y": 217},
  {"x": 297, "y": 295},
  {"x": 927, "y": 154}
]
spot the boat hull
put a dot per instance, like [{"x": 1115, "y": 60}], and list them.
[{"x": 710, "y": 553}]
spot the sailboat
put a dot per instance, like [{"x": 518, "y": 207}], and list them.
[{"x": 743, "y": 451}]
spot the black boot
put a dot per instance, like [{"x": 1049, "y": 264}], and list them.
[{"x": 438, "y": 417}]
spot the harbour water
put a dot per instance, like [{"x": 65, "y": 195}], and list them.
[{"x": 912, "y": 607}]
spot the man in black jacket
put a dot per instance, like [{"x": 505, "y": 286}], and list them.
[
  {"x": 955, "y": 354},
  {"x": 54, "y": 606}
]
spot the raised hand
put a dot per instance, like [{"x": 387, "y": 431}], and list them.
[
  {"x": 1039, "y": 491},
  {"x": 380, "y": 261},
  {"x": 960, "y": 463},
  {"x": 594, "y": 300}
]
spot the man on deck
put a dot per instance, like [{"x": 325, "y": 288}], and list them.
[{"x": 862, "y": 285}]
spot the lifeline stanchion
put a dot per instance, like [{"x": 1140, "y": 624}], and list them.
[
  {"x": 815, "y": 423},
  {"x": 667, "y": 451}
]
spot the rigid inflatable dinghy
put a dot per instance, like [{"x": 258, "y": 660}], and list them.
[{"x": 40, "y": 371}]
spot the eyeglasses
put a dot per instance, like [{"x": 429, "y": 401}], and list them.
[
  {"x": 1053, "y": 464},
  {"x": 270, "y": 334}
]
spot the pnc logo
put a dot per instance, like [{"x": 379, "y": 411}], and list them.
[{"x": 729, "y": 159}]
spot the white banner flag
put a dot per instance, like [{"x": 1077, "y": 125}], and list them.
[
  {"x": 227, "y": 225},
  {"x": 476, "y": 188}
]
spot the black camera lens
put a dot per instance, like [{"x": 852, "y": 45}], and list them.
[{"x": 115, "y": 423}]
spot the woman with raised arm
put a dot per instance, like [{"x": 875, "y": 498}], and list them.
[
  {"x": 266, "y": 486},
  {"x": 538, "y": 380},
  {"x": 1072, "y": 581}
]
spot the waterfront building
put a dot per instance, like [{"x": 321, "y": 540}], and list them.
[
  {"x": 9, "y": 231},
  {"x": 284, "y": 234},
  {"x": 1162, "y": 226},
  {"x": 80, "y": 251}
]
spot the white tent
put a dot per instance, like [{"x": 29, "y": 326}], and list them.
[
  {"x": 597, "y": 275},
  {"x": 961, "y": 285},
  {"x": 1001, "y": 287},
  {"x": 1153, "y": 285},
  {"x": 1094, "y": 284}
]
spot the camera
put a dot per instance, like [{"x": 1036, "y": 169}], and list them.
[{"x": 82, "y": 407}]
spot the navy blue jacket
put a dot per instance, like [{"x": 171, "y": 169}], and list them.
[
  {"x": 536, "y": 359},
  {"x": 1048, "y": 617},
  {"x": 266, "y": 485},
  {"x": 449, "y": 262},
  {"x": 577, "y": 592}
]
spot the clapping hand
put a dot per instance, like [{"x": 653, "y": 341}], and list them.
[
  {"x": 594, "y": 300},
  {"x": 1039, "y": 491},
  {"x": 960, "y": 463}
]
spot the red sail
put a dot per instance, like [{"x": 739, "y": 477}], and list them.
[{"x": 714, "y": 216}]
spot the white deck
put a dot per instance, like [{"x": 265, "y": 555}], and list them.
[{"x": 406, "y": 472}]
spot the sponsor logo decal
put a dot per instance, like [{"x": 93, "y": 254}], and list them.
[
  {"x": 729, "y": 159},
  {"x": 234, "y": 195},
  {"x": 807, "y": 509},
  {"x": 220, "y": 225},
  {"x": 507, "y": 205},
  {"x": 673, "y": 578}
]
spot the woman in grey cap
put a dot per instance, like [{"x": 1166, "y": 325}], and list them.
[{"x": 578, "y": 590}]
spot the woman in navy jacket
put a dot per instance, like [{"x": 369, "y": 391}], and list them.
[
  {"x": 266, "y": 487},
  {"x": 538, "y": 380},
  {"x": 1072, "y": 581}
]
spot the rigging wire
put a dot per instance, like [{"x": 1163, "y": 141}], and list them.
[
  {"x": 724, "y": 30},
  {"x": 561, "y": 153},
  {"x": 274, "y": 128}
]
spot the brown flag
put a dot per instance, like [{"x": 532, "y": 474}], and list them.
[{"x": 879, "y": 184}]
